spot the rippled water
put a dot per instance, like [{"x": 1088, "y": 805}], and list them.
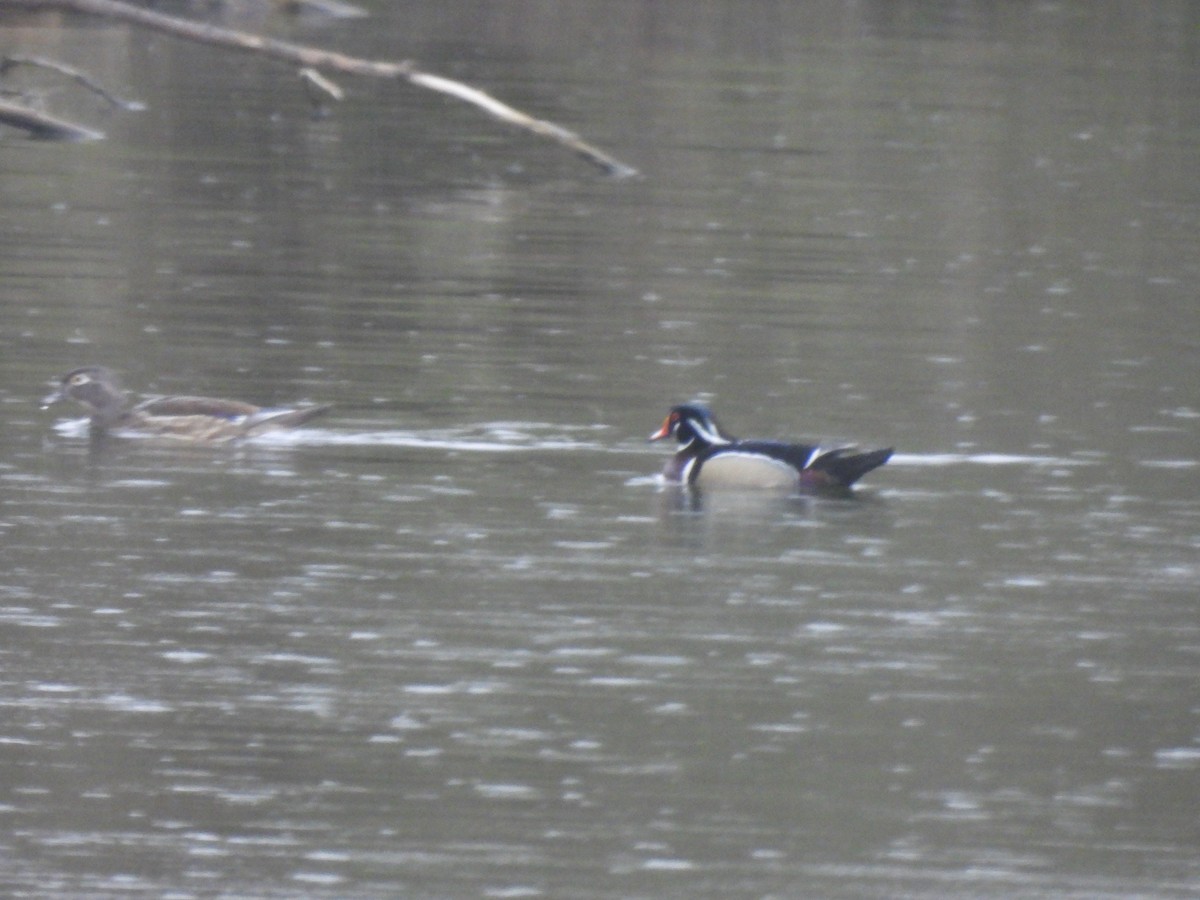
[{"x": 458, "y": 638}]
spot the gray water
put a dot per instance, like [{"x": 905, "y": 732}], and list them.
[{"x": 457, "y": 639}]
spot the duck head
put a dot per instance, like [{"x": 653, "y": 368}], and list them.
[
  {"x": 94, "y": 387},
  {"x": 693, "y": 426}
]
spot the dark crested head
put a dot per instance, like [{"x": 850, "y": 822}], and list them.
[
  {"x": 93, "y": 386},
  {"x": 691, "y": 423}
]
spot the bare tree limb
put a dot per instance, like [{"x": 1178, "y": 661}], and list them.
[{"x": 316, "y": 58}]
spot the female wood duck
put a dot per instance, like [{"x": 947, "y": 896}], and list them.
[
  {"x": 198, "y": 419},
  {"x": 710, "y": 458}
]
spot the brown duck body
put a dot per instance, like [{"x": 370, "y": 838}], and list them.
[{"x": 195, "y": 419}]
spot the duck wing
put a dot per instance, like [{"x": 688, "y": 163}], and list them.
[
  {"x": 836, "y": 466},
  {"x": 263, "y": 419},
  {"x": 230, "y": 410},
  {"x": 798, "y": 456},
  {"x": 845, "y": 465}
]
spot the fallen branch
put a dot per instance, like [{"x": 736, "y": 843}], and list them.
[
  {"x": 333, "y": 9},
  {"x": 43, "y": 125},
  {"x": 10, "y": 62},
  {"x": 316, "y": 58}
]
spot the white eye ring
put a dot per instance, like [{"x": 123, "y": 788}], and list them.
[{"x": 80, "y": 378}]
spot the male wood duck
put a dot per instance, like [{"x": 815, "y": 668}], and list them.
[
  {"x": 198, "y": 419},
  {"x": 710, "y": 458}
]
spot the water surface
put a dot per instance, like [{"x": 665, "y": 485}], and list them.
[{"x": 457, "y": 639}]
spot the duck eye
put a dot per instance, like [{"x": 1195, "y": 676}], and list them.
[{"x": 79, "y": 378}]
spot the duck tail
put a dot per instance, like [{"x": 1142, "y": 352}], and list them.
[{"x": 844, "y": 467}]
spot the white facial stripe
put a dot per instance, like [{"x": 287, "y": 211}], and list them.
[{"x": 706, "y": 432}]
